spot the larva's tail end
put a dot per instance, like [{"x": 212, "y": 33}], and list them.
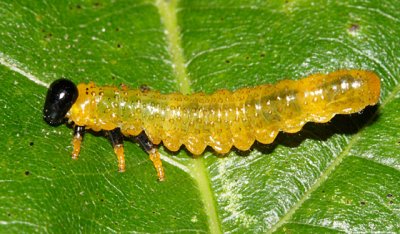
[
  {"x": 374, "y": 84},
  {"x": 371, "y": 83}
]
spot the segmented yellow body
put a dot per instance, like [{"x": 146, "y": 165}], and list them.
[{"x": 225, "y": 119}]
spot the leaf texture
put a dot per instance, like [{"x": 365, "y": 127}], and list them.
[{"x": 342, "y": 176}]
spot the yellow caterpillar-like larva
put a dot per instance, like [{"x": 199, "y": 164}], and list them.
[{"x": 224, "y": 119}]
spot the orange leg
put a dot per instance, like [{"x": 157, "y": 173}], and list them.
[
  {"x": 155, "y": 158},
  {"x": 119, "y": 151},
  {"x": 153, "y": 153},
  {"x": 117, "y": 140},
  {"x": 76, "y": 143},
  {"x": 79, "y": 131}
]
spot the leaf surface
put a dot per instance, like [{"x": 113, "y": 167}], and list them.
[{"x": 337, "y": 177}]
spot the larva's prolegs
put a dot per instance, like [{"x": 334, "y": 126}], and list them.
[
  {"x": 117, "y": 141},
  {"x": 79, "y": 131},
  {"x": 242, "y": 136}
]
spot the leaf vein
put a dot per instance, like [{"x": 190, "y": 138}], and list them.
[
  {"x": 331, "y": 168},
  {"x": 18, "y": 67}
]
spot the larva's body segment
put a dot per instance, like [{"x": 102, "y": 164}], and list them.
[{"x": 225, "y": 119}]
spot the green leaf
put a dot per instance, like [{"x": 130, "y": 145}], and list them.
[{"x": 337, "y": 177}]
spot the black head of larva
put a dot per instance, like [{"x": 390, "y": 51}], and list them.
[{"x": 61, "y": 95}]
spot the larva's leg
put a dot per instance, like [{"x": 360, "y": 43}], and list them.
[
  {"x": 153, "y": 153},
  {"x": 79, "y": 131},
  {"x": 155, "y": 158},
  {"x": 117, "y": 140}
]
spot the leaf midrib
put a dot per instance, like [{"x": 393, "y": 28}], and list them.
[
  {"x": 198, "y": 171},
  {"x": 18, "y": 68}
]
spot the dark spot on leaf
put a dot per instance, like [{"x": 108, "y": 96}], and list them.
[
  {"x": 389, "y": 195},
  {"x": 262, "y": 55},
  {"x": 97, "y": 4},
  {"x": 323, "y": 191},
  {"x": 102, "y": 200},
  {"x": 78, "y": 6},
  {"x": 27, "y": 173},
  {"x": 222, "y": 19},
  {"x": 390, "y": 202},
  {"x": 247, "y": 57},
  {"x": 31, "y": 143},
  {"x": 8, "y": 214},
  {"x": 119, "y": 45},
  {"x": 227, "y": 61},
  {"x": 117, "y": 29},
  {"x": 363, "y": 203},
  {"x": 354, "y": 27},
  {"x": 48, "y": 36},
  {"x": 113, "y": 77}
]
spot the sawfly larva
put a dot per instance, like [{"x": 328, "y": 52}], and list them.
[{"x": 221, "y": 120}]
